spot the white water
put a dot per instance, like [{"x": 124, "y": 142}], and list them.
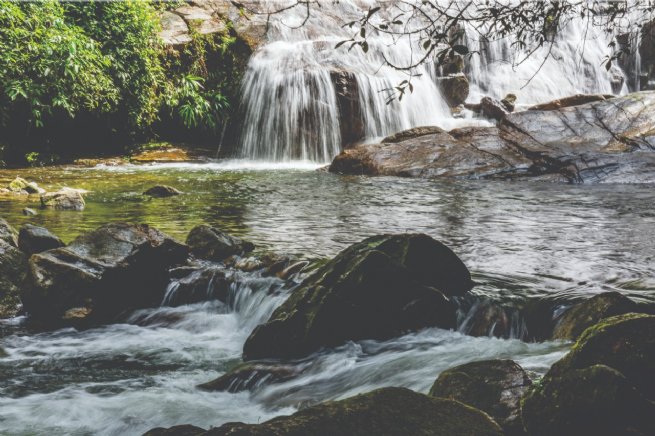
[{"x": 290, "y": 103}]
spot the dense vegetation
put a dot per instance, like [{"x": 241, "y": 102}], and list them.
[{"x": 67, "y": 69}]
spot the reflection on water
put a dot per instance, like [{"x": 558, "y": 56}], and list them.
[{"x": 522, "y": 240}]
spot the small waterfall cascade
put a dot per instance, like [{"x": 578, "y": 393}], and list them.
[{"x": 303, "y": 98}]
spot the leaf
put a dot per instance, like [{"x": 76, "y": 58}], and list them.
[{"x": 461, "y": 49}]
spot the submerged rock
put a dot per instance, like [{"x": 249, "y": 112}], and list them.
[
  {"x": 29, "y": 212},
  {"x": 8, "y": 233},
  {"x": 65, "y": 199},
  {"x": 606, "y": 140},
  {"x": 20, "y": 185},
  {"x": 161, "y": 191},
  {"x": 595, "y": 400},
  {"x": 387, "y": 411},
  {"x": 493, "y": 386},
  {"x": 34, "y": 239},
  {"x": 249, "y": 376},
  {"x": 13, "y": 278},
  {"x": 204, "y": 284},
  {"x": 101, "y": 274},
  {"x": 379, "y": 288},
  {"x": 586, "y": 314},
  {"x": 210, "y": 243}
]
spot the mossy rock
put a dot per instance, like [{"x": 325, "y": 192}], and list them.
[
  {"x": 13, "y": 278},
  {"x": 8, "y": 233},
  {"x": 379, "y": 288},
  {"x": 388, "y": 411},
  {"x": 586, "y": 314},
  {"x": 493, "y": 386},
  {"x": 624, "y": 342},
  {"x": 596, "y": 400}
]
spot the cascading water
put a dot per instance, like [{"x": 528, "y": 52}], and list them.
[{"x": 290, "y": 100}]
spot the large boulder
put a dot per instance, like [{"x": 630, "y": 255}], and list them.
[
  {"x": 595, "y": 400},
  {"x": 34, "y": 239},
  {"x": 492, "y": 108},
  {"x": 351, "y": 121},
  {"x": 493, "y": 386},
  {"x": 388, "y": 411},
  {"x": 64, "y": 199},
  {"x": 588, "y": 313},
  {"x": 379, "y": 288},
  {"x": 101, "y": 274},
  {"x": 8, "y": 233},
  {"x": 624, "y": 342},
  {"x": 608, "y": 140},
  {"x": 454, "y": 88},
  {"x": 13, "y": 276},
  {"x": 162, "y": 191},
  {"x": 210, "y": 243}
]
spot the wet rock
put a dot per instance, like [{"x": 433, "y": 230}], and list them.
[
  {"x": 647, "y": 51},
  {"x": 492, "y": 108},
  {"x": 20, "y": 185},
  {"x": 249, "y": 376},
  {"x": 162, "y": 191},
  {"x": 101, "y": 274},
  {"x": 574, "y": 100},
  {"x": 292, "y": 270},
  {"x": 376, "y": 289},
  {"x": 594, "y": 400},
  {"x": 625, "y": 343},
  {"x": 486, "y": 318},
  {"x": 454, "y": 65},
  {"x": 493, "y": 386},
  {"x": 178, "y": 430},
  {"x": 607, "y": 140},
  {"x": 210, "y": 243},
  {"x": 166, "y": 153},
  {"x": 509, "y": 102},
  {"x": 413, "y": 133},
  {"x": 13, "y": 278},
  {"x": 588, "y": 313},
  {"x": 8, "y": 233},
  {"x": 204, "y": 284},
  {"x": 34, "y": 239},
  {"x": 454, "y": 88},
  {"x": 387, "y": 411},
  {"x": 351, "y": 120},
  {"x": 29, "y": 212},
  {"x": 65, "y": 199}
]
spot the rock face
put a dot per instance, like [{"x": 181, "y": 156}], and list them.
[
  {"x": 586, "y": 314},
  {"x": 8, "y": 233},
  {"x": 350, "y": 112},
  {"x": 65, "y": 199},
  {"x": 493, "y": 386},
  {"x": 34, "y": 239},
  {"x": 13, "y": 275},
  {"x": 605, "y": 385},
  {"x": 101, "y": 274},
  {"x": 594, "y": 400},
  {"x": 376, "y": 289},
  {"x": 602, "y": 141},
  {"x": 210, "y": 243},
  {"x": 388, "y": 411},
  {"x": 454, "y": 88},
  {"x": 162, "y": 191}
]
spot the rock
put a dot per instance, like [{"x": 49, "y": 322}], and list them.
[
  {"x": 509, "y": 102},
  {"x": 454, "y": 88},
  {"x": 647, "y": 50},
  {"x": 379, "y": 288},
  {"x": 492, "y": 108},
  {"x": 34, "y": 239},
  {"x": 19, "y": 185},
  {"x": 493, "y": 386},
  {"x": 205, "y": 284},
  {"x": 292, "y": 270},
  {"x": 588, "y": 313},
  {"x": 166, "y": 153},
  {"x": 174, "y": 30},
  {"x": 13, "y": 276},
  {"x": 211, "y": 243},
  {"x": 387, "y": 411},
  {"x": 486, "y": 318},
  {"x": 8, "y": 233},
  {"x": 161, "y": 191},
  {"x": 249, "y": 376},
  {"x": 610, "y": 141},
  {"x": 454, "y": 65},
  {"x": 625, "y": 343},
  {"x": 101, "y": 274},
  {"x": 595, "y": 400},
  {"x": 351, "y": 119},
  {"x": 413, "y": 133},
  {"x": 178, "y": 430},
  {"x": 64, "y": 199},
  {"x": 574, "y": 100},
  {"x": 29, "y": 212}
]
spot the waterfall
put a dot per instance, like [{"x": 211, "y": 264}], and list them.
[{"x": 303, "y": 99}]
